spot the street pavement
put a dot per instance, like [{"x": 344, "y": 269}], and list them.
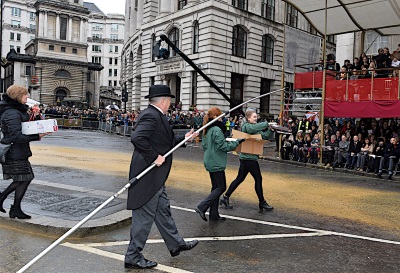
[{"x": 324, "y": 221}]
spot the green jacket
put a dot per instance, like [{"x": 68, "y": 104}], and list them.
[
  {"x": 215, "y": 148},
  {"x": 254, "y": 129}
]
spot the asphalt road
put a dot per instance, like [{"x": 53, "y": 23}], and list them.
[{"x": 323, "y": 221}]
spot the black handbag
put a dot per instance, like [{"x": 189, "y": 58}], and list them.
[{"x": 4, "y": 148}]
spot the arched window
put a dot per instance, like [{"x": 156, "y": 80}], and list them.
[
  {"x": 181, "y": 4},
  {"x": 239, "y": 42},
  {"x": 62, "y": 73},
  {"x": 153, "y": 43},
  {"x": 174, "y": 38},
  {"x": 196, "y": 37},
  {"x": 60, "y": 96},
  {"x": 267, "y": 50}
]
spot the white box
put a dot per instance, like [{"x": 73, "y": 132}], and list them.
[{"x": 39, "y": 126}]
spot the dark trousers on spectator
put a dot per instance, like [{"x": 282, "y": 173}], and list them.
[
  {"x": 391, "y": 160},
  {"x": 246, "y": 167}
]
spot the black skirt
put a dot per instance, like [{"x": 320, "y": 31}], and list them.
[{"x": 18, "y": 170}]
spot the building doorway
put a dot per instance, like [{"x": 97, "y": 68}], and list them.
[{"x": 237, "y": 82}]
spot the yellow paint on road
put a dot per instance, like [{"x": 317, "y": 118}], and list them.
[{"x": 288, "y": 192}]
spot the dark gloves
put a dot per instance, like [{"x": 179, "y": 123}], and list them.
[{"x": 240, "y": 140}]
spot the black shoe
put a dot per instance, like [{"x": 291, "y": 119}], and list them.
[
  {"x": 202, "y": 214},
  {"x": 2, "y": 198},
  {"x": 16, "y": 212},
  {"x": 225, "y": 201},
  {"x": 187, "y": 246},
  {"x": 219, "y": 218},
  {"x": 141, "y": 264},
  {"x": 264, "y": 206},
  {"x": 390, "y": 176},
  {"x": 379, "y": 174}
]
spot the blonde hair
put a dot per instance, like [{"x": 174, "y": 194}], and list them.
[{"x": 15, "y": 92}]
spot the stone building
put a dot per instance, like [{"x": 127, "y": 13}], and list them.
[{"x": 238, "y": 43}]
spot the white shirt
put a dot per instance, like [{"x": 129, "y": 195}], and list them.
[{"x": 158, "y": 108}]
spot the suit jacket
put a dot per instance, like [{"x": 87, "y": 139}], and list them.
[{"x": 152, "y": 136}]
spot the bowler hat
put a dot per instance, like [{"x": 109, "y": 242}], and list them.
[{"x": 159, "y": 91}]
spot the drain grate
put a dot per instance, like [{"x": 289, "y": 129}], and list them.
[{"x": 44, "y": 198}]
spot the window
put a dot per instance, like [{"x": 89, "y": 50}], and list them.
[
  {"x": 62, "y": 73},
  {"x": 267, "y": 50},
  {"x": 116, "y": 49},
  {"x": 89, "y": 76},
  {"x": 331, "y": 39},
  {"x": 193, "y": 99},
  {"x": 63, "y": 49},
  {"x": 18, "y": 37},
  {"x": 265, "y": 101},
  {"x": 11, "y": 47},
  {"x": 115, "y": 72},
  {"x": 110, "y": 61},
  {"x": 97, "y": 26},
  {"x": 51, "y": 47},
  {"x": 196, "y": 37},
  {"x": 12, "y": 36},
  {"x": 28, "y": 70},
  {"x": 74, "y": 51},
  {"x": 110, "y": 72},
  {"x": 63, "y": 28},
  {"x": 174, "y": 37},
  {"x": 76, "y": 1},
  {"x": 240, "y": 4},
  {"x": 113, "y": 37},
  {"x": 111, "y": 48},
  {"x": 268, "y": 9},
  {"x": 32, "y": 27},
  {"x": 18, "y": 49},
  {"x": 16, "y": 12},
  {"x": 114, "y": 27},
  {"x": 96, "y": 59},
  {"x": 15, "y": 23},
  {"x": 153, "y": 43},
  {"x": 109, "y": 83},
  {"x": 237, "y": 83},
  {"x": 97, "y": 36},
  {"x": 32, "y": 16},
  {"x": 96, "y": 48},
  {"x": 152, "y": 81},
  {"x": 291, "y": 15},
  {"x": 181, "y": 4},
  {"x": 239, "y": 42},
  {"x": 311, "y": 29},
  {"x": 115, "y": 83},
  {"x": 116, "y": 61}
]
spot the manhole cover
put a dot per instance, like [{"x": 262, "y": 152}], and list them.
[
  {"x": 44, "y": 198},
  {"x": 80, "y": 206}
]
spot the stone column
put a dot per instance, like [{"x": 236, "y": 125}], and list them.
[
  {"x": 140, "y": 14},
  {"x": 81, "y": 30},
  {"x": 40, "y": 27},
  {"x": 128, "y": 6},
  {"x": 69, "y": 36},
  {"x": 133, "y": 22},
  {"x": 165, "y": 7},
  {"x": 45, "y": 24},
  {"x": 58, "y": 26}
]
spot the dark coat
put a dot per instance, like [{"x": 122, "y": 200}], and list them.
[
  {"x": 152, "y": 136},
  {"x": 12, "y": 115}
]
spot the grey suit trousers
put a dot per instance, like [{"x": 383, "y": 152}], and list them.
[{"x": 156, "y": 210}]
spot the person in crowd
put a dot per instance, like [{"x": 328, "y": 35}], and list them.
[
  {"x": 320, "y": 65},
  {"x": 390, "y": 157},
  {"x": 364, "y": 59},
  {"x": 215, "y": 148},
  {"x": 354, "y": 149},
  {"x": 371, "y": 69},
  {"x": 298, "y": 146},
  {"x": 395, "y": 64},
  {"x": 147, "y": 198},
  {"x": 342, "y": 152},
  {"x": 307, "y": 147},
  {"x": 362, "y": 129},
  {"x": 366, "y": 150},
  {"x": 13, "y": 111},
  {"x": 287, "y": 146},
  {"x": 364, "y": 72},
  {"x": 347, "y": 65},
  {"x": 314, "y": 149},
  {"x": 198, "y": 120},
  {"x": 357, "y": 64},
  {"x": 249, "y": 163},
  {"x": 336, "y": 127},
  {"x": 377, "y": 154},
  {"x": 330, "y": 152},
  {"x": 347, "y": 128},
  {"x": 189, "y": 120},
  {"x": 354, "y": 74},
  {"x": 332, "y": 65}
]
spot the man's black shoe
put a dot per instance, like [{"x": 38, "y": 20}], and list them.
[
  {"x": 141, "y": 264},
  {"x": 187, "y": 246},
  {"x": 202, "y": 214},
  {"x": 219, "y": 218},
  {"x": 390, "y": 176},
  {"x": 379, "y": 174}
]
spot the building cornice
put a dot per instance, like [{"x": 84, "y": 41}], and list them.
[{"x": 65, "y": 6}]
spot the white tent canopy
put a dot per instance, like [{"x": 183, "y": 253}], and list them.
[{"x": 346, "y": 16}]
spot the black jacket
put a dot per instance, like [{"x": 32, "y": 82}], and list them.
[
  {"x": 152, "y": 136},
  {"x": 12, "y": 115}
]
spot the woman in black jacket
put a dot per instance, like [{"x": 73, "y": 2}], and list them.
[{"x": 13, "y": 112}]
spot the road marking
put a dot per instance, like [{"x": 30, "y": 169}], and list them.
[
  {"x": 231, "y": 238},
  {"x": 121, "y": 257}
]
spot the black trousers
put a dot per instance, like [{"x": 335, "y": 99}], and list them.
[
  {"x": 252, "y": 167},
  {"x": 218, "y": 187}
]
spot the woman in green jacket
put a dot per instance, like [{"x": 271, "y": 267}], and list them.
[
  {"x": 249, "y": 162},
  {"x": 215, "y": 156}
]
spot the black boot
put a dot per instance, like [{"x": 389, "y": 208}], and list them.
[
  {"x": 225, "y": 201},
  {"x": 2, "y": 198},
  {"x": 16, "y": 212},
  {"x": 264, "y": 205}
]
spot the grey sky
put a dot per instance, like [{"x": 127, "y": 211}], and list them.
[{"x": 110, "y": 6}]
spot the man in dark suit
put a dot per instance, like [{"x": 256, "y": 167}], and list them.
[{"x": 148, "y": 200}]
